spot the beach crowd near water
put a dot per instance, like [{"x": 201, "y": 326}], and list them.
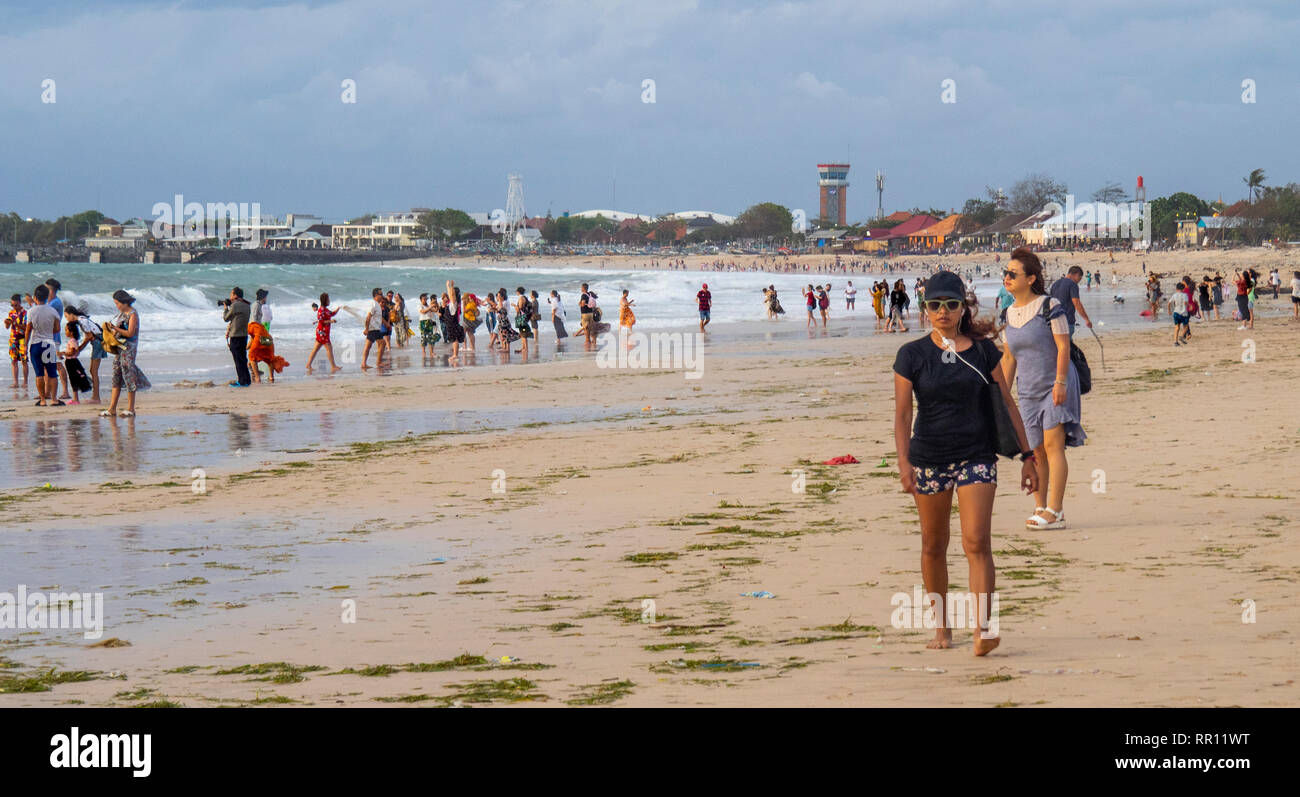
[
  {"x": 455, "y": 325},
  {"x": 989, "y": 377}
]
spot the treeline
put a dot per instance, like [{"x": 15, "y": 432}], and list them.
[
  {"x": 765, "y": 221},
  {"x": 1272, "y": 212},
  {"x": 15, "y": 229}
]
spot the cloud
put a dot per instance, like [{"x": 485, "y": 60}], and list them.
[
  {"x": 808, "y": 83},
  {"x": 244, "y": 100}
]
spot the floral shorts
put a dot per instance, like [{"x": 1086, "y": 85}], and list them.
[{"x": 941, "y": 479}]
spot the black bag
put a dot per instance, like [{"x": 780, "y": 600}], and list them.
[
  {"x": 77, "y": 378},
  {"x": 1006, "y": 442},
  {"x": 1081, "y": 366}
]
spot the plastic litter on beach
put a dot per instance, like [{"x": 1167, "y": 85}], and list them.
[
  {"x": 507, "y": 660},
  {"x": 761, "y": 594},
  {"x": 1061, "y": 671},
  {"x": 847, "y": 459},
  {"x": 921, "y": 669}
]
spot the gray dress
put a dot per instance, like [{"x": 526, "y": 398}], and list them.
[{"x": 1034, "y": 348}]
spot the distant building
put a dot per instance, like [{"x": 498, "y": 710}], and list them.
[
  {"x": 258, "y": 229},
  {"x": 301, "y": 222},
  {"x": 352, "y": 236},
  {"x": 527, "y": 237},
  {"x": 131, "y": 234},
  {"x": 824, "y": 239},
  {"x": 397, "y": 230},
  {"x": 996, "y": 234},
  {"x": 936, "y": 235},
  {"x": 833, "y": 182},
  {"x": 899, "y": 236},
  {"x": 612, "y": 215}
]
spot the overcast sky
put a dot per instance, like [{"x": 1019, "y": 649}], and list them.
[{"x": 242, "y": 102}]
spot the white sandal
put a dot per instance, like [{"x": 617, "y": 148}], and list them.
[
  {"x": 105, "y": 414},
  {"x": 1037, "y": 509},
  {"x": 1039, "y": 522}
]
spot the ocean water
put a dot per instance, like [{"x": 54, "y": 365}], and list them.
[{"x": 182, "y": 334}]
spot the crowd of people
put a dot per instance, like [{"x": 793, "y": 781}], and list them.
[
  {"x": 454, "y": 317},
  {"x": 1201, "y": 299},
  {"x": 49, "y": 336}
]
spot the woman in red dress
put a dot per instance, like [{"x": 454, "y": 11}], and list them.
[{"x": 324, "y": 319}]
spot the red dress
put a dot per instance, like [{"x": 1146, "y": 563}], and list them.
[{"x": 323, "y": 314}]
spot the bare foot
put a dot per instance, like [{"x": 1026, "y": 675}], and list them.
[
  {"x": 365, "y": 367},
  {"x": 334, "y": 368},
  {"x": 983, "y": 646},
  {"x": 942, "y": 639}
]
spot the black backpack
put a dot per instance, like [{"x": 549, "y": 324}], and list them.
[{"x": 1076, "y": 354}]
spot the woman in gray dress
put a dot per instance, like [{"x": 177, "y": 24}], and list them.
[
  {"x": 126, "y": 374},
  {"x": 1037, "y": 357}
]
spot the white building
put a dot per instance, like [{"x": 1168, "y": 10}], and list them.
[
  {"x": 397, "y": 230},
  {"x": 301, "y": 222},
  {"x": 256, "y": 230},
  {"x": 527, "y": 237}
]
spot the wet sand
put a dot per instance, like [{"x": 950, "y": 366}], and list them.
[{"x": 540, "y": 539}]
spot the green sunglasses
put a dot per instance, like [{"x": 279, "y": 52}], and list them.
[{"x": 947, "y": 304}]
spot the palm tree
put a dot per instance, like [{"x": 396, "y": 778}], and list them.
[{"x": 1254, "y": 183}]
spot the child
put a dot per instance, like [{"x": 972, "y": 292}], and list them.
[
  {"x": 1179, "y": 308},
  {"x": 83, "y": 332},
  {"x": 16, "y": 323},
  {"x": 626, "y": 318}
]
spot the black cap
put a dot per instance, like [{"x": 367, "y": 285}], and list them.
[{"x": 945, "y": 285}]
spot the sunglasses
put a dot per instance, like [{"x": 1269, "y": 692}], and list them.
[
  {"x": 934, "y": 305},
  {"x": 1011, "y": 275}
]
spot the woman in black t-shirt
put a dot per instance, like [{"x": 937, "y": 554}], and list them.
[{"x": 953, "y": 446}]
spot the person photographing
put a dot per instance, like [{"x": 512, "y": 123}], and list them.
[{"x": 236, "y": 312}]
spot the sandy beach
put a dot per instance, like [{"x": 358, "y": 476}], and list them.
[{"x": 507, "y": 556}]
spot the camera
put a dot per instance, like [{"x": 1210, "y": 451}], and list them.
[{"x": 223, "y": 303}]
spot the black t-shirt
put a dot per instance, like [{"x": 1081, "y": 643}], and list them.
[{"x": 954, "y": 420}]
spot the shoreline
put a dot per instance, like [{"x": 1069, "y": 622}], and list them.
[{"x": 689, "y": 506}]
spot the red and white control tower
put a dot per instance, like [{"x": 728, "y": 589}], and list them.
[{"x": 833, "y": 179}]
